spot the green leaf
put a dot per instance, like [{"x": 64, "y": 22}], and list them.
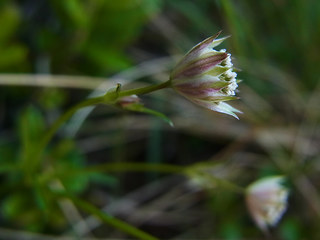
[
  {"x": 4, "y": 168},
  {"x": 11, "y": 206},
  {"x": 22, "y": 209},
  {"x": 41, "y": 198},
  {"x": 31, "y": 127},
  {"x": 66, "y": 156},
  {"x": 102, "y": 178},
  {"x": 291, "y": 229},
  {"x": 109, "y": 58},
  {"x": 75, "y": 11},
  {"x": 138, "y": 107},
  {"x": 12, "y": 55},
  {"x": 52, "y": 98},
  {"x": 193, "y": 11},
  {"x": 10, "y": 16},
  {"x": 8, "y": 155}
]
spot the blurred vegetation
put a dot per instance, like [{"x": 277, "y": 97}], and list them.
[{"x": 145, "y": 174}]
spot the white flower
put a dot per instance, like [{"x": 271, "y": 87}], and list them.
[
  {"x": 205, "y": 76},
  {"x": 267, "y": 201}
]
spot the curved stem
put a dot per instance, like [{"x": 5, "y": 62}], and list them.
[
  {"x": 193, "y": 171},
  {"x": 228, "y": 185},
  {"x": 144, "y": 90},
  {"x": 122, "y": 167},
  {"x": 108, "y": 98},
  {"x": 188, "y": 171},
  {"x": 137, "y": 167},
  {"x": 108, "y": 219},
  {"x": 63, "y": 118}
]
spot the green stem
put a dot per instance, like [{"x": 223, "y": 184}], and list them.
[
  {"x": 108, "y": 219},
  {"x": 137, "y": 167},
  {"x": 108, "y": 98},
  {"x": 120, "y": 167},
  {"x": 191, "y": 171},
  {"x": 201, "y": 168},
  {"x": 144, "y": 90},
  {"x": 228, "y": 185},
  {"x": 63, "y": 118},
  {"x": 164, "y": 168}
]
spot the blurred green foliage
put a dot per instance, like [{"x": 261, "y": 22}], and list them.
[
  {"x": 13, "y": 53},
  {"x": 28, "y": 202},
  {"x": 283, "y": 33},
  {"x": 76, "y": 37}
]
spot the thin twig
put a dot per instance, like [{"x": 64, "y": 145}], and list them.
[{"x": 47, "y": 80}]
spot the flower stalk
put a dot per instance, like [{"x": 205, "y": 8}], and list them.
[{"x": 110, "y": 97}]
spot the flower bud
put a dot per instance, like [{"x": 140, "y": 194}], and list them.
[
  {"x": 127, "y": 101},
  {"x": 206, "y": 77},
  {"x": 267, "y": 201}
]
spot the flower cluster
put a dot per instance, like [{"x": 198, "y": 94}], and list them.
[
  {"x": 206, "y": 77},
  {"x": 267, "y": 201}
]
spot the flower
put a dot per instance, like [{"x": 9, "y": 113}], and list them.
[
  {"x": 206, "y": 77},
  {"x": 267, "y": 201},
  {"x": 128, "y": 101}
]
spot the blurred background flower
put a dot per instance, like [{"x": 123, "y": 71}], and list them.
[
  {"x": 81, "y": 48},
  {"x": 266, "y": 200}
]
